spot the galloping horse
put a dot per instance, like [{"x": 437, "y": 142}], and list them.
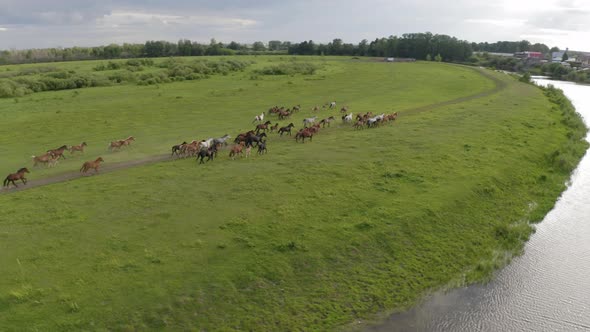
[
  {"x": 254, "y": 139},
  {"x": 303, "y": 133},
  {"x": 332, "y": 104},
  {"x": 263, "y": 127},
  {"x": 347, "y": 118},
  {"x": 284, "y": 114},
  {"x": 115, "y": 145},
  {"x": 209, "y": 153},
  {"x": 47, "y": 159},
  {"x": 327, "y": 121},
  {"x": 91, "y": 165},
  {"x": 128, "y": 140},
  {"x": 275, "y": 127},
  {"x": 236, "y": 149},
  {"x": 344, "y": 109},
  {"x": 286, "y": 129},
  {"x": 59, "y": 152},
  {"x": 262, "y": 147},
  {"x": 19, "y": 175},
  {"x": 80, "y": 147},
  {"x": 259, "y": 118},
  {"x": 221, "y": 140},
  {"x": 176, "y": 149},
  {"x": 309, "y": 121},
  {"x": 118, "y": 144}
]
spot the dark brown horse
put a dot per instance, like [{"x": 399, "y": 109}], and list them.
[
  {"x": 80, "y": 148},
  {"x": 91, "y": 165},
  {"x": 59, "y": 152},
  {"x": 263, "y": 127},
  {"x": 19, "y": 175},
  {"x": 286, "y": 129}
]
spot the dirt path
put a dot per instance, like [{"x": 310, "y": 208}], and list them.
[{"x": 500, "y": 85}]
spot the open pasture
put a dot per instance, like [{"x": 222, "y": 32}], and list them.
[{"x": 309, "y": 236}]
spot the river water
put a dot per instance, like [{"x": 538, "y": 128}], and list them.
[{"x": 545, "y": 289}]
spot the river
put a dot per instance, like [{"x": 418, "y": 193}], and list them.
[{"x": 545, "y": 289}]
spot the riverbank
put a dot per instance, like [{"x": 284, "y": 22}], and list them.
[
  {"x": 308, "y": 237},
  {"x": 523, "y": 295}
]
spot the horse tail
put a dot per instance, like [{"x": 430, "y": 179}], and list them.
[{"x": 5, "y": 183}]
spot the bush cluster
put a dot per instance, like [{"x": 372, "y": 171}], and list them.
[{"x": 291, "y": 68}]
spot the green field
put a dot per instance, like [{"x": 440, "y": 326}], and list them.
[{"x": 311, "y": 236}]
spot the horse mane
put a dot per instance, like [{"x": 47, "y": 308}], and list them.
[{"x": 21, "y": 170}]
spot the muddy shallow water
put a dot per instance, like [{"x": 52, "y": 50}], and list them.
[{"x": 545, "y": 289}]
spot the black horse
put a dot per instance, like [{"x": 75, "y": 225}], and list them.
[
  {"x": 176, "y": 148},
  {"x": 209, "y": 153},
  {"x": 286, "y": 129},
  {"x": 262, "y": 147},
  {"x": 251, "y": 139}
]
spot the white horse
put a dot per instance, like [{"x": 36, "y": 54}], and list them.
[
  {"x": 259, "y": 118},
  {"x": 332, "y": 104},
  {"x": 372, "y": 122},
  {"x": 307, "y": 121},
  {"x": 347, "y": 118},
  {"x": 205, "y": 144},
  {"x": 221, "y": 140}
]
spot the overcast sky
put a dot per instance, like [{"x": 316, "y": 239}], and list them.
[{"x": 53, "y": 23}]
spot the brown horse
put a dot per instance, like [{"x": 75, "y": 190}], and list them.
[
  {"x": 128, "y": 140},
  {"x": 118, "y": 144},
  {"x": 263, "y": 127},
  {"x": 47, "y": 159},
  {"x": 80, "y": 147},
  {"x": 327, "y": 121},
  {"x": 59, "y": 152},
  {"x": 115, "y": 145},
  {"x": 19, "y": 175},
  {"x": 302, "y": 134},
  {"x": 91, "y": 165},
  {"x": 237, "y": 149},
  {"x": 274, "y": 128}
]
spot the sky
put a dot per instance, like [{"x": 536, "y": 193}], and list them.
[{"x": 66, "y": 23}]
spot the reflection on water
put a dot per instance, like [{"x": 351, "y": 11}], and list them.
[{"x": 546, "y": 289}]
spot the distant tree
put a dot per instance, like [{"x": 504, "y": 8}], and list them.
[
  {"x": 428, "y": 57},
  {"x": 234, "y": 46},
  {"x": 564, "y": 57},
  {"x": 258, "y": 46},
  {"x": 274, "y": 45},
  {"x": 438, "y": 58},
  {"x": 554, "y": 49}
]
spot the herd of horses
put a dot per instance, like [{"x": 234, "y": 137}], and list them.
[
  {"x": 207, "y": 149},
  {"x": 51, "y": 158}
]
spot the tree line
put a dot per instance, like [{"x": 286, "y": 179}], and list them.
[{"x": 421, "y": 46}]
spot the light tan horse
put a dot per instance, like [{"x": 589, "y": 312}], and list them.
[
  {"x": 47, "y": 159},
  {"x": 80, "y": 148},
  {"x": 91, "y": 165}
]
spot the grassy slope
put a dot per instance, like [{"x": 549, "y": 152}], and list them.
[
  {"x": 159, "y": 116},
  {"x": 310, "y": 236}
]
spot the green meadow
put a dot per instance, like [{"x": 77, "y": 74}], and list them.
[{"x": 311, "y": 236}]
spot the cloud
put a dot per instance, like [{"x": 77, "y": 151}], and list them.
[
  {"x": 3, "y": 29},
  {"x": 42, "y": 23},
  {"x": 123, "y": 18}
]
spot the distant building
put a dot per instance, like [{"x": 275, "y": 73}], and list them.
[
  {"x": 584, "y": 59},
  {"x": 400, "y": 59},
  {"x": 529, "y": 55},
  {"x": 557, "y": 56},
  {"x": 507, "y": 55}
]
